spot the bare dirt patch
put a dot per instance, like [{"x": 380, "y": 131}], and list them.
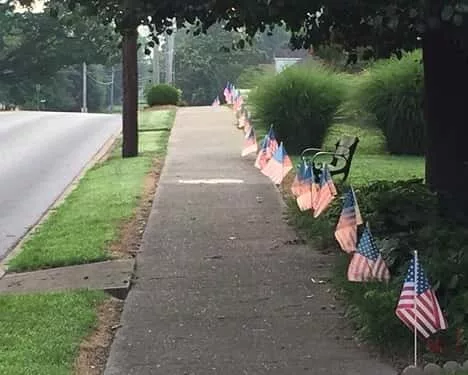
[
  {"x": 131, "y": 231},
  {"x": 95, "y": 349}
]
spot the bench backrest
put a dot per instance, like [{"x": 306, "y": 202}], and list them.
[{"x": 346, "y": 146}]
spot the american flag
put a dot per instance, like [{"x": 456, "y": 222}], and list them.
[
  {"x": 250, "y": 143},
  {"x": 350, "y": 218},
  {"x": 272, "y": 143},
  {"x": 216, "y": 102},
  {"x": 242, "y": 120},
  {"x": 326, "y": 193},
  {"x": 308, "y": 196},
  {"x": 262, "y": 158},
  {"x": 228, "y": 93},
  {"x": 297, "y": 186},
  {"x": 278, "y": 166},
  {"x": 267, "y": 149},
  {"x": 234, "y": 97},
  {"x": 239, "y": 100},
  {"x": 417, "y": 291},
  {"x": 247, "y": 124},
  {"x": 367, "y": 262}
]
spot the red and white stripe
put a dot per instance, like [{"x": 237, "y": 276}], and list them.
[
  {"x": 271, "y": 148},
  {"x": 250, "y": 146},
  {"x": 276, "y": 170},
  {"x": 325, "y": 196},
  {"x": 299, "y": 187},
  {"x": 347, "y": 238},
  {"x": 262, "y": 159},
  {"x": 429, "y": 317},
  {"x": 362, "y": 269}
]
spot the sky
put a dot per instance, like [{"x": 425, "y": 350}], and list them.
[{"x": 38, "y": 6}]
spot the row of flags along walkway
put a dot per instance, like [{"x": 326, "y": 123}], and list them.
[{"x": 418, "y": 307}]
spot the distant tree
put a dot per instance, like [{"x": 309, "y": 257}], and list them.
[
  {"x": 202, "y": 66},
  {"x": 439, "y": 26},
  {"x": 35, "y": 47}
]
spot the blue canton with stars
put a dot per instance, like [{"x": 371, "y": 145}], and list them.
[
  {"x": 309, "y": 174},
  {"x": 280, "y": 153},
  {"x": 301, "y": 170},
  {"x": 348, "y": 200},
  {"x": 422, "y": 283},
  {"x": 265, "y": 142},
  {"x": 367, "y": 246},
  {"x": 325, "y": 177},
  {"x": 271, "y": 134}
]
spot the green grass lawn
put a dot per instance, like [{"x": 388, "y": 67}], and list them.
[
  {"x": 155, "y": 120},
  {"x": 371, "y": 162},
  {"x": 81, "y": 228},
  {"x": 41, "y": 334}
]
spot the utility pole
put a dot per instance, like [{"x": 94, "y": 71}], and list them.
[
  {"x": 85, "y": 89},
  {"x": 130, "y": 84},
  {"x": 156, "y": 68},
  {"x": 170, "y": 54},
  {"x": 112, "y": 90}
]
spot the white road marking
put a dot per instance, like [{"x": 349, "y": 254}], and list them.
[{"x": 212, "y": 181}]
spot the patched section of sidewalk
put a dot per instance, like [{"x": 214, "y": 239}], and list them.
[{"x": 113, "y": 277}]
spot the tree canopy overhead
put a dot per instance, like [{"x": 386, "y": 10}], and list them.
[
  {"x": 384, "y": 25},
  {"x": 439, "y": 26},
  {"x": 42, "y": 56},
  {"x": 36, "y": 46}
]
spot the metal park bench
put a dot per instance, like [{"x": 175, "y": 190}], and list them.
[{"x": 341, "y": 158}]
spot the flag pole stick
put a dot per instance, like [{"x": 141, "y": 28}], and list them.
[{"x": 415, "y": 307}]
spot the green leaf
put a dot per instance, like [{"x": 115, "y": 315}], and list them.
[
  {"x": 447, "y": 13},
  {"x": 453, "y": 282},
  {"x": 458, "y": 19}
]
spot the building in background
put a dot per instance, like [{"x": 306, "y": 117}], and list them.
[{"x": 285, "y": 57}]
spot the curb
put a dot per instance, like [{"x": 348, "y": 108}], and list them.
[
  {"x": 450, "y": 367},
  {"x": 99, "y": 156}
]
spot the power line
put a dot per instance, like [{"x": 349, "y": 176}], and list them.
[{"x": 98, "y": 81}]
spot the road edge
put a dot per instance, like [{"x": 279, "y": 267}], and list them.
[{"x": 102, "y": 154}]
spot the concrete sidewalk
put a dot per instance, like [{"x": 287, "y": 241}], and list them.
[{"x": 221, "y": 286}]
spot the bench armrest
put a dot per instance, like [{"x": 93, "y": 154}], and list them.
[
  {"x": 309, "y": 149},
  {"x": 326, "y": 153}
]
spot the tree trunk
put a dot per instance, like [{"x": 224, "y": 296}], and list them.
[
  {"x": 130, "y": 94},
  {"x": 446, "y": 103}
]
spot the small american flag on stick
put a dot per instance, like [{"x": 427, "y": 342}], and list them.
[
  {"x": 350, "y": 219},
  {"x": 298, "y": 185},
  {"x": 278, "y": 166},
  {"x": 367, "y": 262},
  {"x": 268, "y": 148},
  {"x": 326, "y": 193},
  {"x": 306, "y": 200},
  {"x": 216, "y": 102},
  {"x": 418, "y": 299},
  {"x": 250, "y": 143}
]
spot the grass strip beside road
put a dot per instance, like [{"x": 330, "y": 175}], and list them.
[
  {"x": 80, "y": 229},
  {"x": 41, "y": 334}
]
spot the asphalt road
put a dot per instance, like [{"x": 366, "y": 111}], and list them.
[{"x": 40, "y": 155}]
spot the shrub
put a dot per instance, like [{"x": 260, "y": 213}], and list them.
[
  {"x": 162, "y": 95},
  {"x": 392, "y": 92},
  {"x": 252, "y": 75},
  {"x": 403, "y": 216},
  {"x": 300, "y": 102}
]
